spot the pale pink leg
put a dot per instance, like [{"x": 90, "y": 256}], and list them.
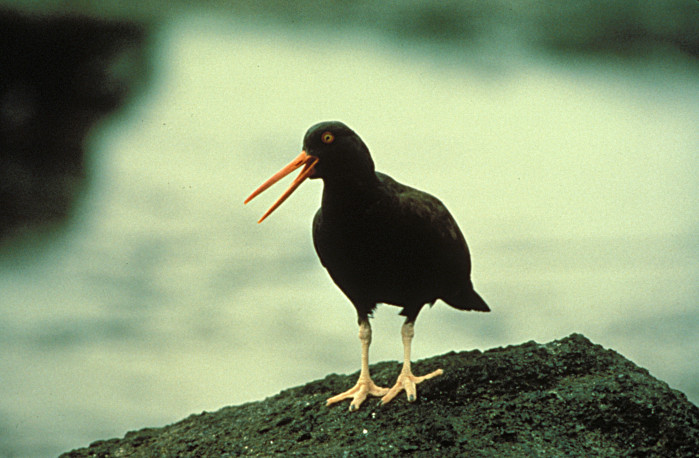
[
  {"x": 406, "y": 380},
  {"x": 365, "y": 386}
]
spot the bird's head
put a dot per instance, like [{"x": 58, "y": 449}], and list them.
[{"x": 331, "y": 151}]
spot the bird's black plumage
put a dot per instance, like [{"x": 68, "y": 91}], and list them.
[{"x": 382, "y": 241}]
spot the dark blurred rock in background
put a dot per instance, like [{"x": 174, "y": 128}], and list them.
[
  {"x": 60, "y": 75},
  {"x": 629, "y": 28}
]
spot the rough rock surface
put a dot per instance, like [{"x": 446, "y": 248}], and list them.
[{"x": 568, "y": 397}]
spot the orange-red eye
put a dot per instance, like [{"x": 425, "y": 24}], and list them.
[{"x": 327, "y": 137}]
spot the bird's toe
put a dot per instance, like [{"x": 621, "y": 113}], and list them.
[
  {"x": 408, "y": 382},
  {"x": 358, "y": 393}
]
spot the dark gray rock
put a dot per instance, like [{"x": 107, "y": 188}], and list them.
[{"x": 569, "y": 397}]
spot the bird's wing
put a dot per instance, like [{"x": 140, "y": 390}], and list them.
[{"x": 424, "y": 210}]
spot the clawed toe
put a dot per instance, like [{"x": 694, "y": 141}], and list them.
[
  {"x": 358, "y": 393},
  {"x": 408, "y": 382}
]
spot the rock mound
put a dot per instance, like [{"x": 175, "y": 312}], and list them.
[{"x": 568, "y": 397}]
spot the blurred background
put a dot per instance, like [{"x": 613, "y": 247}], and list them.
[{"x": 136, "y": 289}]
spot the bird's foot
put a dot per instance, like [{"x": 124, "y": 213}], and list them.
[
  {"x": 364, "y": 387},
  {"x": 407, "y": 381}
]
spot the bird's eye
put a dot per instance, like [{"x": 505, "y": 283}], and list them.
[{"x": 327, "y": 137}]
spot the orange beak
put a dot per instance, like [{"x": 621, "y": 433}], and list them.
[{"x": 303, "y": 159}]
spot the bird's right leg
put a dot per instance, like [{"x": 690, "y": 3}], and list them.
[{"x": 365, "y": 385}]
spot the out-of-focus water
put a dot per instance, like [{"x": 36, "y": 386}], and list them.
[{"x": 575, "y": 186}]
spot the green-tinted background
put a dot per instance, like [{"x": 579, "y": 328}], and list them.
[{"x": 562, "y": 138}]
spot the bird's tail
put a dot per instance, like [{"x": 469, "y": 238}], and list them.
[{"x": 468, "y": 299}]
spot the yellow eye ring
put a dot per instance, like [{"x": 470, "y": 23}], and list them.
[{"x": 327, "y": 137}]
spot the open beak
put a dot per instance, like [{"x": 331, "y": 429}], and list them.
[{"x": 303, "y": 159}]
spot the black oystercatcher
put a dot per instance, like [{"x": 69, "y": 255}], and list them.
[{"x": 381, "y": 242}]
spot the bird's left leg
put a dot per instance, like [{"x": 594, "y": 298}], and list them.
[{"x": 406, "y": 380}]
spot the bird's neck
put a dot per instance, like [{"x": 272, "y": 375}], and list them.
[{"x": 345, "y": 198}]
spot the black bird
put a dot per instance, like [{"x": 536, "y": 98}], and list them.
[{"x": 381, "y": 242}]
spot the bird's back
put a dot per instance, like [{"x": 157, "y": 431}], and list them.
[{"x": 400, "y": 247}]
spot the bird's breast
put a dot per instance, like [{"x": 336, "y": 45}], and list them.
[{"x": 377, "y": 258}]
